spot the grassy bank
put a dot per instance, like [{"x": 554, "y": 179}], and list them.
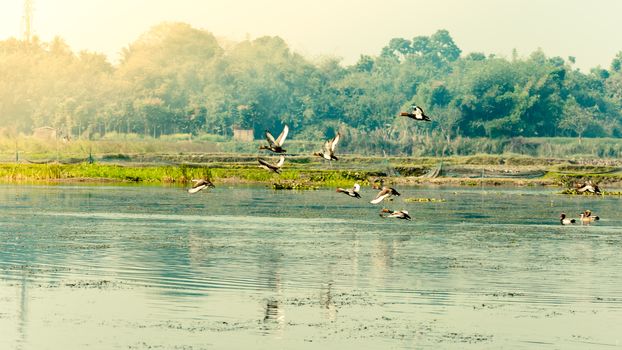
[
  {"x": 178, "y": 174},
  {"x": 301, "y": 171}
]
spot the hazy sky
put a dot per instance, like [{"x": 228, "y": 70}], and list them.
[{"x": 589, "y": 30}]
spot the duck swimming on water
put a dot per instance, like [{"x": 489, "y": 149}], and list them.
[
  {"x": 416, "y": 113},
  {"x": 200, "y": 184},
  {"x": 566, "y": 221},
  {"x": 276, "y": 146},
  {"x": 588, "y": 214},
  {"x": 352, "y": 192}
]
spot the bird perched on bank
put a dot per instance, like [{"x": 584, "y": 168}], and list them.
[
  {"x": 200, "y": 184},
  {"x": 416, "y": 113},
  {"x": 352, "y": 192},
  {"x": 276, "y": 146},
  {"x": 587, "y": 186},
  {"x": 399, "y": 214},
  {"x": 565, "y": 221},
  {"x": 272, "y": 167},
  {"x": 328, "y": 150},
  {"x": 385, "y": 193}
]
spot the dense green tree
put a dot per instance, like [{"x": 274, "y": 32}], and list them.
[{"x": 179, "y": 79}]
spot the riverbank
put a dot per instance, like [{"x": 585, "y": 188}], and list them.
[{"x": 302, "y": 172}]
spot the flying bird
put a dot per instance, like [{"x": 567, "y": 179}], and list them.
[
  {"x": 200, "y": 184},
  {"x": 352, "y": 192},
  {"x": 272, "y": 167},
  {"x": 377, "y": 183},
  {"x": 385, "y": 193},
  {"x": 566, "y": 221},
  {"x": 398, "y": 214},
  {"x": 328, "y": 150},
  {"x": 416, "y": 113},
  {"x": 276, "y": 146},
  {"x": 587, "y": 186}
]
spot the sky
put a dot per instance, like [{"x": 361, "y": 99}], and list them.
[{"x": 591, "y": 31}]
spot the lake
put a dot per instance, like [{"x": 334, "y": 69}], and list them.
[{"x": 246, "y": 267}]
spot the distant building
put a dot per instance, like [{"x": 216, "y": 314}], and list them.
[
  {"x": 45, "y": 133},
  {"x": 245, "y": 135}
]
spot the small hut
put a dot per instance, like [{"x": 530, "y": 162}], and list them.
[
  {"x": 45, "y": 133},
  {"x": 245, "y": 135}
]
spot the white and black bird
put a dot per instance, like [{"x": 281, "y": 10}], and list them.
[
  {"x": 272, "y": 167},
  {"x": 566, "y": 221},
  {"x": 352, "y": 192},
  {"x": 200, "y": 184},
  {"x": 385, "y": 193},
  {"x": 328, "y": 150},
  {"x": 416, "y": 113},
  {"x": 587, "y": 186},
  {"x": 276, "y": 146},
  {"x": 397, "y": 214}
]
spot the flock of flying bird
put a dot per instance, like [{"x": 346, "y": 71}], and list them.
[{"x": 328, "y": 153}]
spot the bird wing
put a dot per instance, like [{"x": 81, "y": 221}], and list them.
[
  {"x": 282, "y": 136},
  {"x": 393, "y": 191},
  {"x": 264, "y": 163},
  {"x": 196, "y": 189},
  {"x": 281, "y": 161},
  {"x": 383, "y": 191},
  {"x": 198, "y": 182},
  {"x": 326, "y": 147},
  {"x": 381, "y": 196},
  {"x": 333, "y": 142},
  {"x": 270, "y": 138}
]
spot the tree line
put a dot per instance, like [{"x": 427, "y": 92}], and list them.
[{"x": 179, "y": 79}]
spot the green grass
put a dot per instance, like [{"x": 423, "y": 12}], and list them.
[{"x": 180, "y": 174}]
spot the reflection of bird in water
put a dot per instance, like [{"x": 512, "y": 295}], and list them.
[
  {"x": 352, "y": 192},
  {"x": 327, "y": 302},
  {"x": 398, "y": 214},
  {"x": 566, "y": 221},
  {"x": 200, "y": 184},
  {"x": 274, "y": 311},
  {"x": 276, "y": 146},
  {"x": 385, "y": 193},
  {"x": 415, "y": 113}
]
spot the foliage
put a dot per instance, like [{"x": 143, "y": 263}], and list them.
[{"x": 179, "y": 83}]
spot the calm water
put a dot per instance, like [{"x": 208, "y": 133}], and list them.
[{"x": 104, "y": 267}]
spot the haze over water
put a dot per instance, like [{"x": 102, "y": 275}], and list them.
[{"x": 246, "y": 267}]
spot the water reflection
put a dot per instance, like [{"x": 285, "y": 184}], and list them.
[
  {"x": 327, "y": 301},
  {"x": 171, "y": 267},
  {"x": 23, "y": 314}
]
